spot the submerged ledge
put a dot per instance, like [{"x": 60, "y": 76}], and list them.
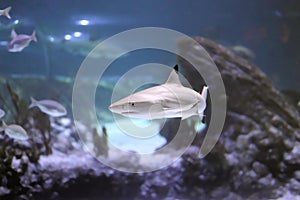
[{"x": 257, "y": 156}]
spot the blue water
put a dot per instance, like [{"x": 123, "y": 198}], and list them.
[
  {"x": 68, "y": 29},
  {"x": 268, "y": 28}
]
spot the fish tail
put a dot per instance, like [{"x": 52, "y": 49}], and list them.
[
  {"x": 202, "y": 118},
  {"x": 33, "y": 36},
  {"x": 204, "y": 96},
  {"x": 204, "y": 92},
  {"x": 33, "y": 103},
  {"x": 6, "y": 12}
]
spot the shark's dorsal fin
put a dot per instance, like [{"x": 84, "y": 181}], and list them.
[
  {"x": 176, "y": 68},
  {"x": 173, "y": 77}
]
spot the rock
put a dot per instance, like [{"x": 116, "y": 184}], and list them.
[
  {"x": 294, "y": 185},
  {"x": 4, "y": 191},
  {"x": 267, "y": 181},
  {"x": 260, "y": 169},
  {"x": 293, "y": 157},
  {"x": 256, "y": 157},
  {"x": 262, "y": 128},
  {"x": 297, "y": 175}
]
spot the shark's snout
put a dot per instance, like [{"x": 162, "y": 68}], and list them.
[
  {"x": 117, "y": 108},
  {"x": 121, "y": 108},
  {"x": 113, "y": 108}
]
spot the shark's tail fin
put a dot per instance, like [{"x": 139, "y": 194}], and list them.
[
  {"x": 200, "y": 108},
  {"x": 204, "y": 92},
  {"x": 202, "y": 118}
]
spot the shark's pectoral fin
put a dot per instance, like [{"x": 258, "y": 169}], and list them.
[
  {"x": 185, "y": 117},
  {"x": 189, "y": 112}
]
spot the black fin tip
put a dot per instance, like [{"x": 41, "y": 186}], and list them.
[{"x": 176, "y": 68}]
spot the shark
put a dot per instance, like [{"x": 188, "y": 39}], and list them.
[{"x": 168, "y": 100}]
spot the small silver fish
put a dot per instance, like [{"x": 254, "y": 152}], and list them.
[
  {"x": 49, "y": 107},
  {"x": 19, "y": 42},
  {"x": 2, "y": 113},
  {"x": 5, "y": 12},
  {"x": 14, "y": 131}
]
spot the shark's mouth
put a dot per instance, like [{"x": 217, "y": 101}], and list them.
[{"x": 128, "y": 112}]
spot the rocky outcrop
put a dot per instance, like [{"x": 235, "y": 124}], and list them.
[
  {"x": 261, "y": 137},
  {"x": 256, "y": 157}
]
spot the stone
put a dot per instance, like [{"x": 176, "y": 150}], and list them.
[{"x": 253, "y": 159}]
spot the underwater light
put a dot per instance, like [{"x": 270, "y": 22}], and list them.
[
  {"x": 84, "y": 22},
  {"x": 16, "y": 22},
  {"x": 68, "y": 37},
  {"x": 77, "y": 34},
  {"x": 51, "y": 39}
]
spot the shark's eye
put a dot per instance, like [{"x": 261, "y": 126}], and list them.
[{"x": 132, "y": 104}]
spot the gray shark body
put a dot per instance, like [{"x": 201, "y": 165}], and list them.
[{"x": 169, "y": 100}]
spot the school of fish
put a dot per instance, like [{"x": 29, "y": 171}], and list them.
[
  {"x": 49, "y": 107},
  {"x": 18, "y": 41}
]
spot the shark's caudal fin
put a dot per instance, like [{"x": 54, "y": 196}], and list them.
[
  {"x": 204, "y": 92},
  {"x": 202, "y": 118},
  {"x": 173, "y": 77},
  {"x": 204, "y": 96}
]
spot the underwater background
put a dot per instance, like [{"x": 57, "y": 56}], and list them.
[
  {"x": 267, "y": 28},
  {"x": 56, "y": 165}
]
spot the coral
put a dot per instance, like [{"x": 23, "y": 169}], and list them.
[
  {"x": 100, "y": 142},
  {"x": 15, "y": 158},
  {"x": 15, "y": 155},
  {"x": 35, "y": 122}
]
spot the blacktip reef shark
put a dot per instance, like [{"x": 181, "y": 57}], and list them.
[{"x": 169, "y": 100}]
